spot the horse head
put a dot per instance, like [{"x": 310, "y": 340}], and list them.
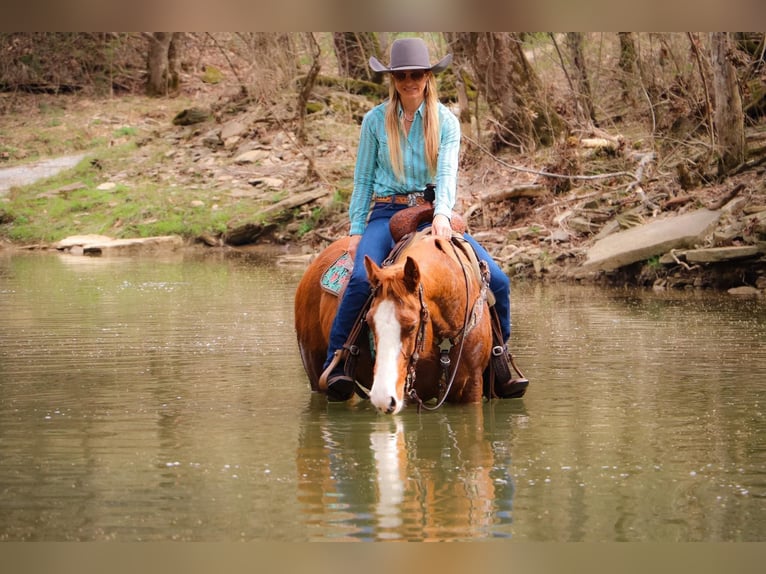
[{"x": 398, "y": 319}]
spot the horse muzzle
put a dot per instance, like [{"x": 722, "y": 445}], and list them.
[{"x": 386, "y": 404}]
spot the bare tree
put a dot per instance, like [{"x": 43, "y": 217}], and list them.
[
  {"x": 628, "y": 64},
  {"x": 728, "y": 118},
  {"x": 752, "y": 74},
  {"x": 574, "y": 42},
  {"x": 517, "y": 100},
  {"x": 308, "y": 85},
  {"x": 353, "y": 50},
  {"x": 162, "y": 63},
  {"x": 461, "y": 75},
  {"x": 706, "y": 74}
]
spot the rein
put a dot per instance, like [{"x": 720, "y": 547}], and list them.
[{"x": 409, "y": 388}]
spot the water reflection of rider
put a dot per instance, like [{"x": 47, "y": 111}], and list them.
[
  {"x": 440, "y": 476},
  {"x": 406, "y": 142}
]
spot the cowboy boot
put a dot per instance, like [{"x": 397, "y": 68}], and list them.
[
  {"x": 500, "y": 381},
  {"x": 506, "y": 385}
]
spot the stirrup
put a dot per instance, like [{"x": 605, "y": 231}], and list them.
[
  {"x": 521, "y": 377},
  {"x": 322, "y": 383},
  {"x": 339, "y": 386}
]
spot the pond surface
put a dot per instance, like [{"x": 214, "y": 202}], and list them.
[{"x": 145, "y": 399}]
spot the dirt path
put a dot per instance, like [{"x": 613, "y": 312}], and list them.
[{"x": 30, "y": 173}]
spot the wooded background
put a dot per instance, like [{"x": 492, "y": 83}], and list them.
[{"x": 513, "y": 90}]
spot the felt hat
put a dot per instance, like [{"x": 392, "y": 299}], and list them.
[{"x": 410, "y": 54}]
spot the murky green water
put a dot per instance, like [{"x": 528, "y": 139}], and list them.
[{"x": 165, "y": 400}]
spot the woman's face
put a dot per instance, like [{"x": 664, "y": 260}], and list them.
[{"x": 411, "y": 84}]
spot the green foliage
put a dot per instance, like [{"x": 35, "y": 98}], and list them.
[
  {"x": 314, "y": 107},
  {"x": 212, "y": 75},
  {"x": 342, "y": 193},
  {"x": 654, "y": 262},
  {"x": 125, "y": 131},
  {"x": 311, "y": 222}
]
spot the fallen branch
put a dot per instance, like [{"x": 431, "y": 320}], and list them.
[
  {"x": 532, "y": 190},
  {"x": 547, "y": 173},
  {"x": 320, "y": 234},
  {"x": 571, "y": 198},
  {"x": 684, "y": 264},
  {"x": 294, "y": 201},
  {"x": 598, "y": 143},
  {"x": 677, "y": 201},
  {"x": 718, "y": 204},
  {"x": 639, "y": 175}
]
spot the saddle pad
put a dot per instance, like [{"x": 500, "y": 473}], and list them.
[{"x": 335, "y": 279}]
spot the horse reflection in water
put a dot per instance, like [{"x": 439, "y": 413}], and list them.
[
  {"x": 428, "y": 507},
  {"x": 438, "y": 478},
  {"x": 429, "y": 321}
]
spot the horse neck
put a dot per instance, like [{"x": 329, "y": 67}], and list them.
[
  {"x": 446, "y": 306},
  {"x": 436, "y": 263}
]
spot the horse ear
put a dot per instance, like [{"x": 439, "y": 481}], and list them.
[
  {"x": 411, "y": 274},
  {"x": 372, "y": 271}
]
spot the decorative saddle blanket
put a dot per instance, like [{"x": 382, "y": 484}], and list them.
[{"x": 335, "y": 279}]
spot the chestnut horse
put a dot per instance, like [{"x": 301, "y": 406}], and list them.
[{"x": 428, "y": 317}]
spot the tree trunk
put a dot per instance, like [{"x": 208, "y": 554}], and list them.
[
  {"x": 728, "y": 119},
  {"x": 462, "y": 96},
  {"x": 514, "y": 93},
  {"x": 706, "y": 74},
  {"x": 574, "y": 41},
  {"x": 459, "y": 69},
  {"x": 353, "y": 51},
  {"x": 628, "y": 64},
  {"x": 752, "y": 75},
  {"x": 162, "y": 64},
  {"x": 307, "y": 87}
]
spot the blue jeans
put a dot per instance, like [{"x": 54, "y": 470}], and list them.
[{"x": 376, "y": 242}]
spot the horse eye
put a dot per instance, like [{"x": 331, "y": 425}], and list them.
[{"x": 408, "y": 329}]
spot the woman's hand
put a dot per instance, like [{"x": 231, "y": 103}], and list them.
[
  {"x": 353, "y": 243},
  {"x": 440, "y": 226}
]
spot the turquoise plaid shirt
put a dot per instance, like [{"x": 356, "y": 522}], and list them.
[{"x": 374, "y": 176}]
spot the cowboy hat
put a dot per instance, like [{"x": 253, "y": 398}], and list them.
[{"x": 410, "y": 54}]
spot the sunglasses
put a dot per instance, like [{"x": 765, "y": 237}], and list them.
[{"x": 401, "y": 76}]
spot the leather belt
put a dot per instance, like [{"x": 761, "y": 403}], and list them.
[{"x": 410, "y": 199}]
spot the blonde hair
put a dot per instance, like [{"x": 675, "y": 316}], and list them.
[{"x": 395, "y": 127}]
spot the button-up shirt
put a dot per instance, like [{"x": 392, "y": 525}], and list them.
[{"x": 374, "y": 175}]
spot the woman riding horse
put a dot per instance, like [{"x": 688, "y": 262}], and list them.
[{"x": 407, "y": 142}]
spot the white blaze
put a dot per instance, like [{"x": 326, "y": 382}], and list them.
[
  {"x": 387, "y": 350},
  {"x": 387, "y": 449}
]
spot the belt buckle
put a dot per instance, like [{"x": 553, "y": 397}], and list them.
[{"x": 412, "y": 200}]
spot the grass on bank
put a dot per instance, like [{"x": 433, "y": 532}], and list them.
[
  {"x": 71, "y": 203},
  {"x": 156, "y": 193}
]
